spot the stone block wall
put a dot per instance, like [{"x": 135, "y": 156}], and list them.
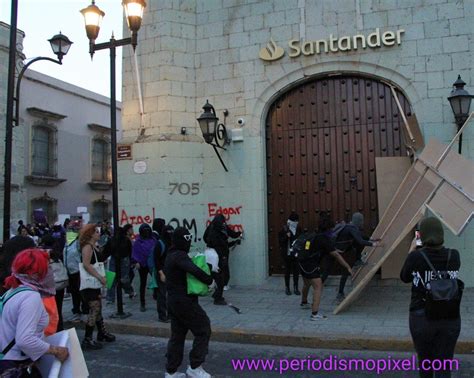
[{"x": 191, "y": 51}]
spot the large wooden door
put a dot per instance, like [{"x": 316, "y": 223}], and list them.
[{"x": 321, "y": 142}]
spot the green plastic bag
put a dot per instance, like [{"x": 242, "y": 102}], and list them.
[
  {"x": 109, "y": 279},
  {"x": 152, "y": 283},
  {"x": 196, "y": 287}
]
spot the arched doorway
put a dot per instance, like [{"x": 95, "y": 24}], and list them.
[{"x": 322, "y": 139}]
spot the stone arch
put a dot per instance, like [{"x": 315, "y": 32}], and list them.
[{"x": 297, "y": 77}]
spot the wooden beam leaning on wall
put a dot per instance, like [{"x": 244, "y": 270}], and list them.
[
  {"x": 413, "y": 137},
  {"x": 439, "y": 179}
]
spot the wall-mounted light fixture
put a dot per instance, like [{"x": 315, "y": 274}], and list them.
[
  {"x": 213, "y": 132},
  {"x": 460, "y": 101}
]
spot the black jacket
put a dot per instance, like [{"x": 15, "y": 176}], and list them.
[
  {"x": 417, "y": 271},
  {"x": 177, "y": 264},
  {"x": 350, "y": 236},
  {"x": 217, "y": 235},
  {"x": 284, "y": 241}
]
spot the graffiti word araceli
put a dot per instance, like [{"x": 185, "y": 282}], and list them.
[{"x": 136, "y": 220}]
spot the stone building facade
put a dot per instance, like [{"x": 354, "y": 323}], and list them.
[
  {"x": 61, "y": 148},
  {"x": 226, "y": 51}
]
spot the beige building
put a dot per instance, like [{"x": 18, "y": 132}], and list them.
[{"x": 310, "y": 111}]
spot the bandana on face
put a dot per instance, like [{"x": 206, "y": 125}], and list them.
[
  {"x": 46, "y": 287},
  {"x": 292, "y": 226}
]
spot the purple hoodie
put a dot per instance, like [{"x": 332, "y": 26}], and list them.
[{"x": 141, "y": 249}]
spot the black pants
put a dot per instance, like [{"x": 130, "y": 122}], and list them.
[
  {"x": 59, "y": 305},
  {"x": 433, "y": 339},
  {"x": 291, "y": 266},
  {"x": 77, "y": 301},
  {"x": 143, "y": 272},
  {"x": 160, "y": 293},
  {"x": 186, "y": 315}
]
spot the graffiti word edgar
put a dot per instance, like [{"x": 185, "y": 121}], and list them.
[
  {"x": 135, "y": 220},
  {"x": 213, "y": 210}
]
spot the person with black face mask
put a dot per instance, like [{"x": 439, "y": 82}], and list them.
[
  {"x": 216, "y": 236},
  {"x": 184, "y": 310}
]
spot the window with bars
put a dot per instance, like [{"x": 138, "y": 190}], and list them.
[
  {"x": 44, "y": 151},
  {"x": 101, "y": 168}
]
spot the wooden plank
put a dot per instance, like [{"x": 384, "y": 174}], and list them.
[
  {"x": 390, "y": 174},
  {"x": 354, "y": 294},
  {"x": 452, "y": 207}
]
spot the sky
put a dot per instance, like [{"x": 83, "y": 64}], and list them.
[{"x": 42, "y": 19}]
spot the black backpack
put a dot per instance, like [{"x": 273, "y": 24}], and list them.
[
  {"x": 443, "y": 295},
  {"x": 302, "y": 247}
]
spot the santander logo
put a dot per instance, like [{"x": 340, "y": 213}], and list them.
[{"x": 271, "y": 52}]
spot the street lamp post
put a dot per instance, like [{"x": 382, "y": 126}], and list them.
[
  {"x": 93, "y": 17},
  {"x": 460, "y": 101},
  {"x": 60, "y": 45}
]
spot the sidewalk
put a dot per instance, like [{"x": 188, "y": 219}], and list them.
[{"x": 377, "y": 321}]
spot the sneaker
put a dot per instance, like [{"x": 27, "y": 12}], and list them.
[
  {"x": 318, "y": 317},
  {"x": 110, "y": 303},
  {"x": 199, "y": 372},
  {"x": 220, "y": 302},
  {"x": 359, "y": 263},
  {"x": 226, "y": 287},
  {"x": 76, "y": 318},
  {"x": 175, "y": 375},
  {"x": 305, "y": 305},
  {"x": 164, "y": 320},
  {"x": 142, "y": 308},
  {"x": 340, "y": 297}
]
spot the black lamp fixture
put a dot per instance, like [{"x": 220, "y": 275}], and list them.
[
  {"x": 92, "y": 18},
  {"x": 460, "y": 101},
  {"x": 213, "y": 132},
  {"x": 60, "y": 45}
]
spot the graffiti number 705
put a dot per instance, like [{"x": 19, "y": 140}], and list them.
[{"x": 184, "y": 188}]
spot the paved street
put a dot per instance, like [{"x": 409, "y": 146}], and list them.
[
  {"x": 144, "y": 356},
  {"x": 377, "y": 321}
]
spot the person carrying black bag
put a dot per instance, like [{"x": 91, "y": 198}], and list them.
[{"x": 434, "y": 334}]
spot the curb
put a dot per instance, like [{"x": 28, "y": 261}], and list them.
[{"x": 241, "y": 336}]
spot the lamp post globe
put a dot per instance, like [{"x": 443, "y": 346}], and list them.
[
  {"x": 92, "y": 18},
  {"x": 460, "y": 101},
  {"x": 60, "y": 45},
  {"x": 134, "y": 13},
  {"x": 208, "y": 122}
]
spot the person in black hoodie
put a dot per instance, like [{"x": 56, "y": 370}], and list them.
[
  {"x": 216, "y": 236},
  {"x": 184, "y": 310},
  {"x": 433, "y": 339},
  {"x": 159, "y": 256},
  {"x": 287, "y": 235}
]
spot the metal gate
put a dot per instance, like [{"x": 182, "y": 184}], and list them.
[{"x": 321, "y": 142}]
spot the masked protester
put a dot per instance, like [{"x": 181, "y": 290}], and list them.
[
  {"x": 287, "y": 235},
  {"x": 216, "y": 236},
  {"x": 184, "y": 310}
]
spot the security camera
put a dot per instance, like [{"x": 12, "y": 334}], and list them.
[{"x": 241, "y": 121}]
